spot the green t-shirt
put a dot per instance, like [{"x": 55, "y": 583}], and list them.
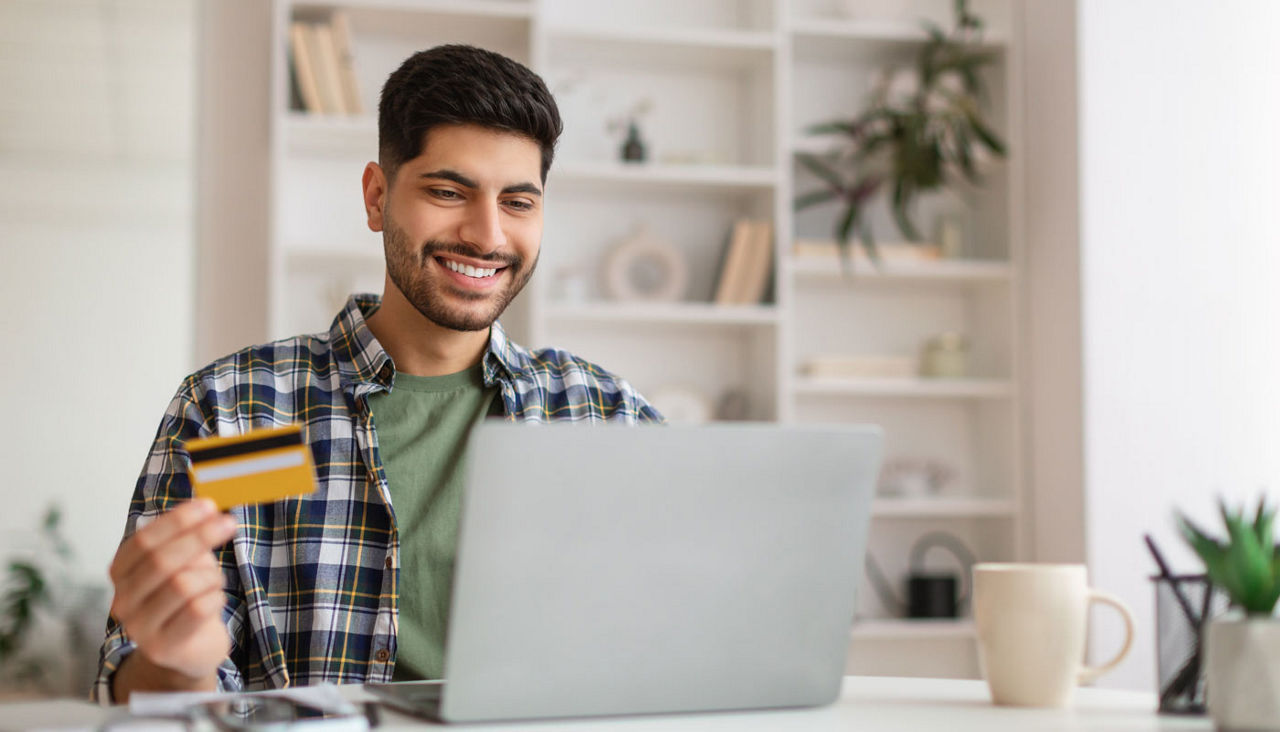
[{"x": 423, "y": 424}]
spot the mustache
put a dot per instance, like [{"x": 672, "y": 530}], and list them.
[{"x": 434, "y": 247}]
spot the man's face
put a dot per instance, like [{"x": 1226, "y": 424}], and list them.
[{"x": 462, "y": 224}]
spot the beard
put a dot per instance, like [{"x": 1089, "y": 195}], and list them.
[{"x": 413, "y": 272}]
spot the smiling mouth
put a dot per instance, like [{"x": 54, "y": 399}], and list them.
[{"x": 467, "y": 270}]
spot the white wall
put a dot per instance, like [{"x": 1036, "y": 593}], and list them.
[
  {"x": 1180, "y": 111},
  {"x": 96, "y": 296}
]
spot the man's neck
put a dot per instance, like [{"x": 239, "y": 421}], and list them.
[{"x": 418, "y": 346}]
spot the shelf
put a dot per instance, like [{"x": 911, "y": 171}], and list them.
[
  {"x": 709, "y": 177},
  {"x": 334, "y": 259},
  {"x": 910, "y": 388},
  {"x": 888, "y": 41},
  {"x": 487, "y": 8},
  {"x": 818, "y": 144},
  {"x": 677, "y": 49},
  {"x": 943, "y": 508},
  {"x": 683, "y": 313},
  {"x": 730, "y": 88},
  {"x": 902, "y": 629},
  {"x": 958, "y": 271},
  {"x": 309, "y": 134}
]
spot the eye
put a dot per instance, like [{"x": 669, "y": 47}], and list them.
[
  {"x": 444, "y": 194},
  {"x": 520, "y": 204}
]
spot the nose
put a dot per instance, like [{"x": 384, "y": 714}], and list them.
[{"x": 481, "y": 226}]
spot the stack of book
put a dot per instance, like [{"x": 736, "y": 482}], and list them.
[
  {"x": 324, "y": 79},
  {"x": 747, "y": 264}
]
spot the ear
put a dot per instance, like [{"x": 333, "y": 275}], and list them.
[{"x": 375, "y": 195}]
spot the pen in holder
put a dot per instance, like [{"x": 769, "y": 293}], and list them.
[
  {"x": 1184, "y": 604},
  {"x": 1180, "y": 639}
]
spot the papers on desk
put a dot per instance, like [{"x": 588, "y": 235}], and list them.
[{"x": 328, "y": 709}]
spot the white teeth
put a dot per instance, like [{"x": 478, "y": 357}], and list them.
[{"x": 468, "y": 270}]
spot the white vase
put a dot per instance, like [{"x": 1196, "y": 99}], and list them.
[{"x": 1244, "y": 673}]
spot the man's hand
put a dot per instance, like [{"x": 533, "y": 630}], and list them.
[{"x": 169, "y": 599}]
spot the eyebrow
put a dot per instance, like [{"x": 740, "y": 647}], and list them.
[{"x": 465, "y": 182}]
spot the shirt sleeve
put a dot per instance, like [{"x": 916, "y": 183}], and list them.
[
  {"x": 163, "y": 485},
  {"x": 644, "y": 412}
]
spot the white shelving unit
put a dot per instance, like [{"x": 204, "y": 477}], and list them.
[
  {"x": 912, "y": 630},
  {"x": 732, "y": 85}
]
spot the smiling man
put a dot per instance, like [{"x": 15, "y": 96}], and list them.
[{"x": 353, "y": 582}]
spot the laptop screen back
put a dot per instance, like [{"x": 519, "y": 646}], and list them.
[{"x": 627, "y": 570}]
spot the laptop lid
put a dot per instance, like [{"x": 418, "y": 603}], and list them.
[{"x": 628, "y": 570}]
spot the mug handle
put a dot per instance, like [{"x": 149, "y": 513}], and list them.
[{"x": 1089, "y": 673}]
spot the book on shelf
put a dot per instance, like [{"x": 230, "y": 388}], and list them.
[
  {"x": 733, "y": 263},
  {"x": 760, "y": 264},
  {"x": 747, "y": 264},
  {"x": 346, "y": 65},
  {"x": 321, "y": 66},
  {"x": 304, "y": 73},
  {"x": 327, "y": 72}
]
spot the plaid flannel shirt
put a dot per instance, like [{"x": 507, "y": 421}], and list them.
[{"x": 311, "y": 582}]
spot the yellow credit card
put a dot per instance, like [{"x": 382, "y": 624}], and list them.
[{"x": 257, "y": 467}]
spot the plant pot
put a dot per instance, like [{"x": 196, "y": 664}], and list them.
[{"x": 1244, "y": 673}]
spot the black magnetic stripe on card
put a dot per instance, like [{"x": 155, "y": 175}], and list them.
[{"x": 248, "y": 446}]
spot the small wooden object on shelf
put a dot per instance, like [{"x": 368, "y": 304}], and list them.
[
  {"x": 747, "y": 264},
  {"x": 304, "y": 72},
  {"x": 351, "y": 101}
]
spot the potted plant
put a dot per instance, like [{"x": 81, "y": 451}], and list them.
[
  {"x": 923, "y": 131},
  {"x": 50, "y": 620},
  {"x": 1243, "y": 647}
]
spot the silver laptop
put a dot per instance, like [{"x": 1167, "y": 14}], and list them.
[{"x": 641, "y": 570}]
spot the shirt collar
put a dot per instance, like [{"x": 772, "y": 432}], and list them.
[
  {"x": 362, "y": 360},
  {"x": 503, "y": 360}
]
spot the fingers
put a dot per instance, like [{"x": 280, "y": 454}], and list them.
[
  {"x": 144, "y": 617},
  {"x": 169, "y": 595},
  {"x": 160, "y": 532},
  {"x": 195, "y": 615},
  {"x": 142, "y": 565},
  {"x": 194, "y": 641}
]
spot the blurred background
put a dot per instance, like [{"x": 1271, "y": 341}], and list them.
[{"x": 1082, "y": 339}]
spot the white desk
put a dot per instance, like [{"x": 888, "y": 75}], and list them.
[{"x": 867, "y": 704}]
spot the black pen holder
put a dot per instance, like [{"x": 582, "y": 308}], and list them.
[{"x": 1184, "y": 606}]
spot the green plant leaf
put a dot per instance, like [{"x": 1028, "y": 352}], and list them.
[
  {"x": 27, "y": 589},
  {"x": 832, "y": 128},
  {"x": 964, "y": 158},
  {"x": 52, "y": 518},
  {"x": 1212, "y": 553},
  {"x": 813, "y": 198},
  {"x": 845, "y": 228},
  {"x": 988, "y": 137},
  {"x": 869, "y": 244},
  {"x": 963, "y": 59},
  {"x": 1248, "y": 565},
  {"x": 822, "y": 170},
  {"x": 902, "y": 198},
  {"x": 1262, "y": 524}
]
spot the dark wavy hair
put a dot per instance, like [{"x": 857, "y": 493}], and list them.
[{"x": 457, "y": 84}]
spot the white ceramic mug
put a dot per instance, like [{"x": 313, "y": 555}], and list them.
[{"x": 1031, "y": 621}]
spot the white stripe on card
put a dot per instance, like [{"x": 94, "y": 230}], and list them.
[{"x": 239, "y": 468}]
